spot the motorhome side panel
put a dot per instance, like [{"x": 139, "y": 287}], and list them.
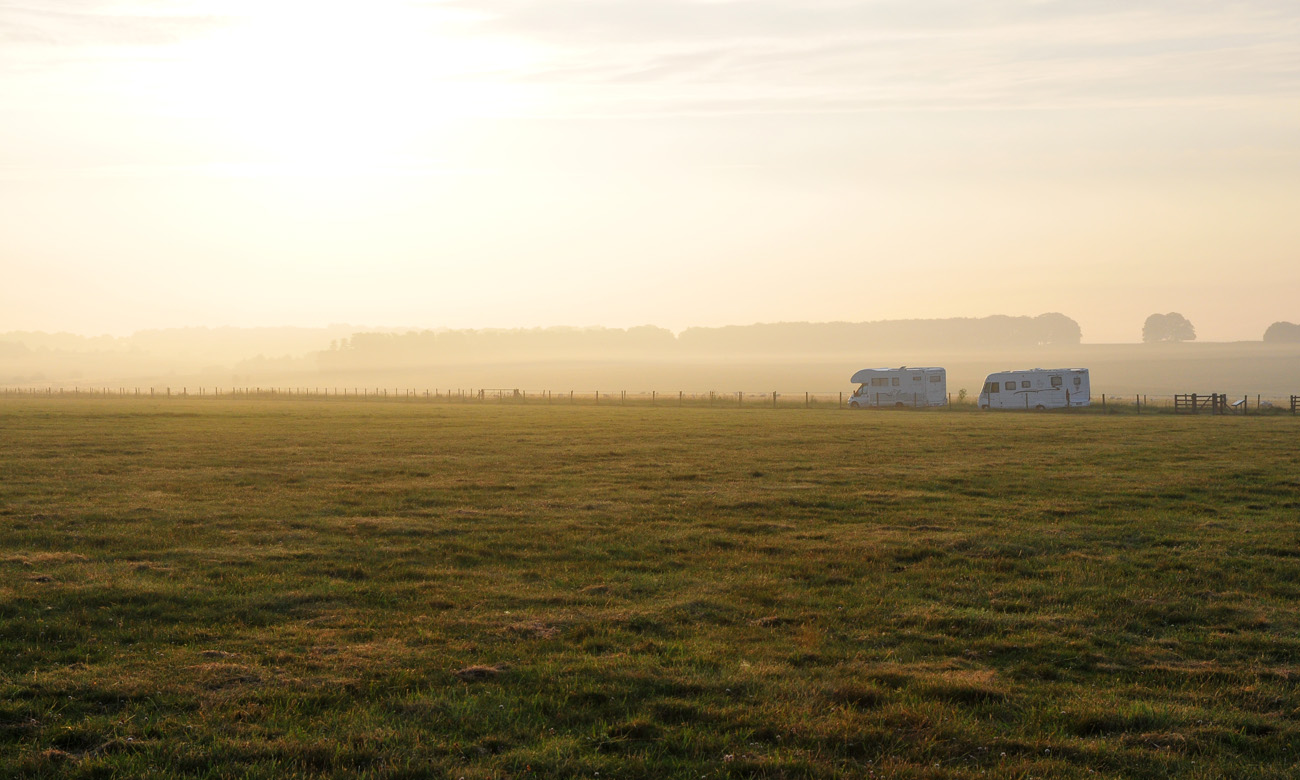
[
  {"x": 899, "y": 387},
  {"x": 1036, "y": 389}
]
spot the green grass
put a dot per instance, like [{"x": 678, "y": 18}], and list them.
[{"x": 205, "y": 588}]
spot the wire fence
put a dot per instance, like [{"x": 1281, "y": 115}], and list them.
[{"x": 1192, "y": 403}]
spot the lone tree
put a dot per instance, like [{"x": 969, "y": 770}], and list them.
[
  {"x": 1168, "y": 327},
  {"x": 1283, "y": 332}
]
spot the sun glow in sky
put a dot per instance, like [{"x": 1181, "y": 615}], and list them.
[
  {"x": 677, "y": 162},
  {"x": 319, "y": 87}
]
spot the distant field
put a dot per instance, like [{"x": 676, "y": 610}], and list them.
[
  {"x": 205, "y": 588},
  {"x": 1159, "y": 371}
]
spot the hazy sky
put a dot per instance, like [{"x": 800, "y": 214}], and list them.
[{"x": 674, "y": 162}]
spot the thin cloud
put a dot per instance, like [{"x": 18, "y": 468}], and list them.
[{"x": 781, "y": 55}]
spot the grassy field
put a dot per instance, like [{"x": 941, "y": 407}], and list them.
[{"x": 255, "y": 589}]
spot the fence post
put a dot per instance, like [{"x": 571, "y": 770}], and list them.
[
  {"x": 740, "y": 398},
  {"x": 805, "y": 400},
  {"x": 681, "y": 394},
  {"x": 841, "y": 399}
]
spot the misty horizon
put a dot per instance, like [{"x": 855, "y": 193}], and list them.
[
  {"x": 337, "y": 326},
  {"x": 785, "y": 356}
]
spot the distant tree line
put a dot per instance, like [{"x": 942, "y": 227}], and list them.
[
  {"x": 958, "y": 333},
  {"x": 372, "y": 350}
]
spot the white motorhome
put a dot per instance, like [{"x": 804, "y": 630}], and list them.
[
  {"x": 900, "y": 386},
  {"x": 1037, "y": 388}
]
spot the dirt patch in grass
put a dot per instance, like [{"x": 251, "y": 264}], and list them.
[
  {"x": 221, "y": 654},
  {"x": 532, "y": 630},
  {"x": 217, "y": 675},
  {"x": 968, "y": 687},
  {"x": 33, "y": 559},
  {"x": 481, "y": 672},
  {"x": 863, "y": 697}
]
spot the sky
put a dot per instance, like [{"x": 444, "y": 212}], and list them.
[{"x": 524, "y": 163}]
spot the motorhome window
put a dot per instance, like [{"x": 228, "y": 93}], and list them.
[
  {"x": 1024, "y": 383},
  {"x": 991, "y": 388},
  {"x": 916, "y": 379},
  {"x": 879, "y": 381},
  {"x": 894, "y": 381},
  {"x": 1056, "y": 381},
  {"x": 936, "y": 378},
  {"x": 1078, "y": 381},
  {"x": 1011, "y": 385}
]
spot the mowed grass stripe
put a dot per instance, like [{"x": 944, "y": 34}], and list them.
[{"x": 211, "y": 589}]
